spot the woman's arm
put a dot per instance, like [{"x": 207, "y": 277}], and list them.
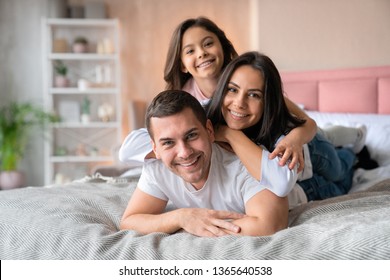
[
  {"x": 248, "y": 152},
  {"x": 290, "y": 147},
  {"x": 279, "y": 179}
]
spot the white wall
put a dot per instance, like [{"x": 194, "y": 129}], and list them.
[{"x": 20, "y": 66}]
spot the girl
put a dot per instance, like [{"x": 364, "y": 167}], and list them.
[
  {"x": 198, "y": 52},
  {"x": 248, "y": 110}
]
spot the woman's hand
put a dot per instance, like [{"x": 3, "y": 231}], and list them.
[{"x": 290, "y": 151}]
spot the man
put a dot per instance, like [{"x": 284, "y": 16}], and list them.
[{"x": 211, "y": 189}]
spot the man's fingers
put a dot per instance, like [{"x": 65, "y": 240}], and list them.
[{"x": 226, "y": 225}]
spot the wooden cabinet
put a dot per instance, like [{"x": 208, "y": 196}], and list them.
[{"x": 81, "y": 83}]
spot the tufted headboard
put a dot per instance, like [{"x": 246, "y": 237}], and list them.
[{"x": 358, "y": 90}]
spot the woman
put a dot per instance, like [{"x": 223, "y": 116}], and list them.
[{"x": 248, "y": 109}]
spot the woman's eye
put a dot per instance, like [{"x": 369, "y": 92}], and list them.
[
  {"x": 233, "y": 90},
  {"x": 255, "y": 95}
]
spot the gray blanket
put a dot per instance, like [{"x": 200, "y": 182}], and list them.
[{"x": 80, "y": 221}]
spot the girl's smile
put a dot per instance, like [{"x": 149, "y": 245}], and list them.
[{"x": 202, "y": 53}]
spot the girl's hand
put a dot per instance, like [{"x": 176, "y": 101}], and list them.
[{"x": 289, "y": 153}]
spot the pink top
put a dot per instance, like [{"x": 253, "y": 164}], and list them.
[{"x": 192, "y": 88}]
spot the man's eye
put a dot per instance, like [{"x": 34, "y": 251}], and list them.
[
  {"x": 192, "y": 135},
  {"x": 167, "y": 143}
]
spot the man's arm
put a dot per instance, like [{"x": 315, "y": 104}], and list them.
[
  {"x": 145, "y": 214},
  {"x": 266, "y": 212}
]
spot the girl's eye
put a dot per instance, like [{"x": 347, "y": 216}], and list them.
[
  {"x": 208, "y": 43},
  {"x": 189, "y": 51}
]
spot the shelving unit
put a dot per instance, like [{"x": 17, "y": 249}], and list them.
[{"x": 81, "y": 141}]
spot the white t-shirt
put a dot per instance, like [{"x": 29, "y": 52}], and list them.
[{"x": 228, "y": 187}]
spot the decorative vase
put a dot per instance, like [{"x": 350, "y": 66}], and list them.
[
  {"x": 85, "y": 118},
  {"x": 61, "y": 81},
  {"x": 11, "y": 179},
  {"x": 80, "y": 48}
]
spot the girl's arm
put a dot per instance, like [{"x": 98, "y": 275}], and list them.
[
  {"x": 290, "y": 147},
  {"x": 136, "y": 147}
]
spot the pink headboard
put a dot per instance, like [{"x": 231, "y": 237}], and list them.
[{"x": 358, "y": 90}]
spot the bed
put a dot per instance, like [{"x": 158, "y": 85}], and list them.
[{"x": 80, "y": 220}]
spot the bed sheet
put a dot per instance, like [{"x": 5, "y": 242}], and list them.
[
  {"x": 80, "y": 220},
  {"x": 378, "y": 143}
]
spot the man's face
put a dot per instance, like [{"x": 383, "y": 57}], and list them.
[{"x": 184, "y": 145}]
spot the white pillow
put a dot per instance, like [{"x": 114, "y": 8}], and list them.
[{"x": 378, "y": 130}]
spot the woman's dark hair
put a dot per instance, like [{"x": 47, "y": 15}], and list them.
[
  {"x": 276, "y": 119},
  {"x": 173, "y": 74},
  {"x": 172, "y": 102}
]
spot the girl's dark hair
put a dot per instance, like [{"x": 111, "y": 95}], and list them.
[
  {"x": 173, "y": 74},
  {"x": 276, "y": 119},
  {"x": 172, "y": 102}
]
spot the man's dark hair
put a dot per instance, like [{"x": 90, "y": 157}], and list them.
[{"x": 172, "y": 102}]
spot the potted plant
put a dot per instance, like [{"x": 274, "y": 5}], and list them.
[
  {"x": 80, "y": 45},
  {"x": 60, "y": 79},
  {"x": 16, "y": 120}
]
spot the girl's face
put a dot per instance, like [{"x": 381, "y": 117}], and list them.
[
  {"x": 201, "y": 53},
  {"x": 243, "y": 104}
]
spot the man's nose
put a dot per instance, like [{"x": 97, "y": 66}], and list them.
[{"x": 184, "y": 150}]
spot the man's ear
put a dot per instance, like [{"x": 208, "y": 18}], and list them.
[
  {"x": 210, "y": 130},
  {"x": 155, "y": 150}
]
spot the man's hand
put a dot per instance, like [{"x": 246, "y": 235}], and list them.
[{"x": 207, "y": 222}]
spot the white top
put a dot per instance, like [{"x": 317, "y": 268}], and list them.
[
  {"x": 135, "y": 147},
  {"x": 228, "y": 187}
]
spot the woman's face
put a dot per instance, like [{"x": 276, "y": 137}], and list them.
[
  {"x": 201, "y": 53},
  {"x": 243, "y": 104}
]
